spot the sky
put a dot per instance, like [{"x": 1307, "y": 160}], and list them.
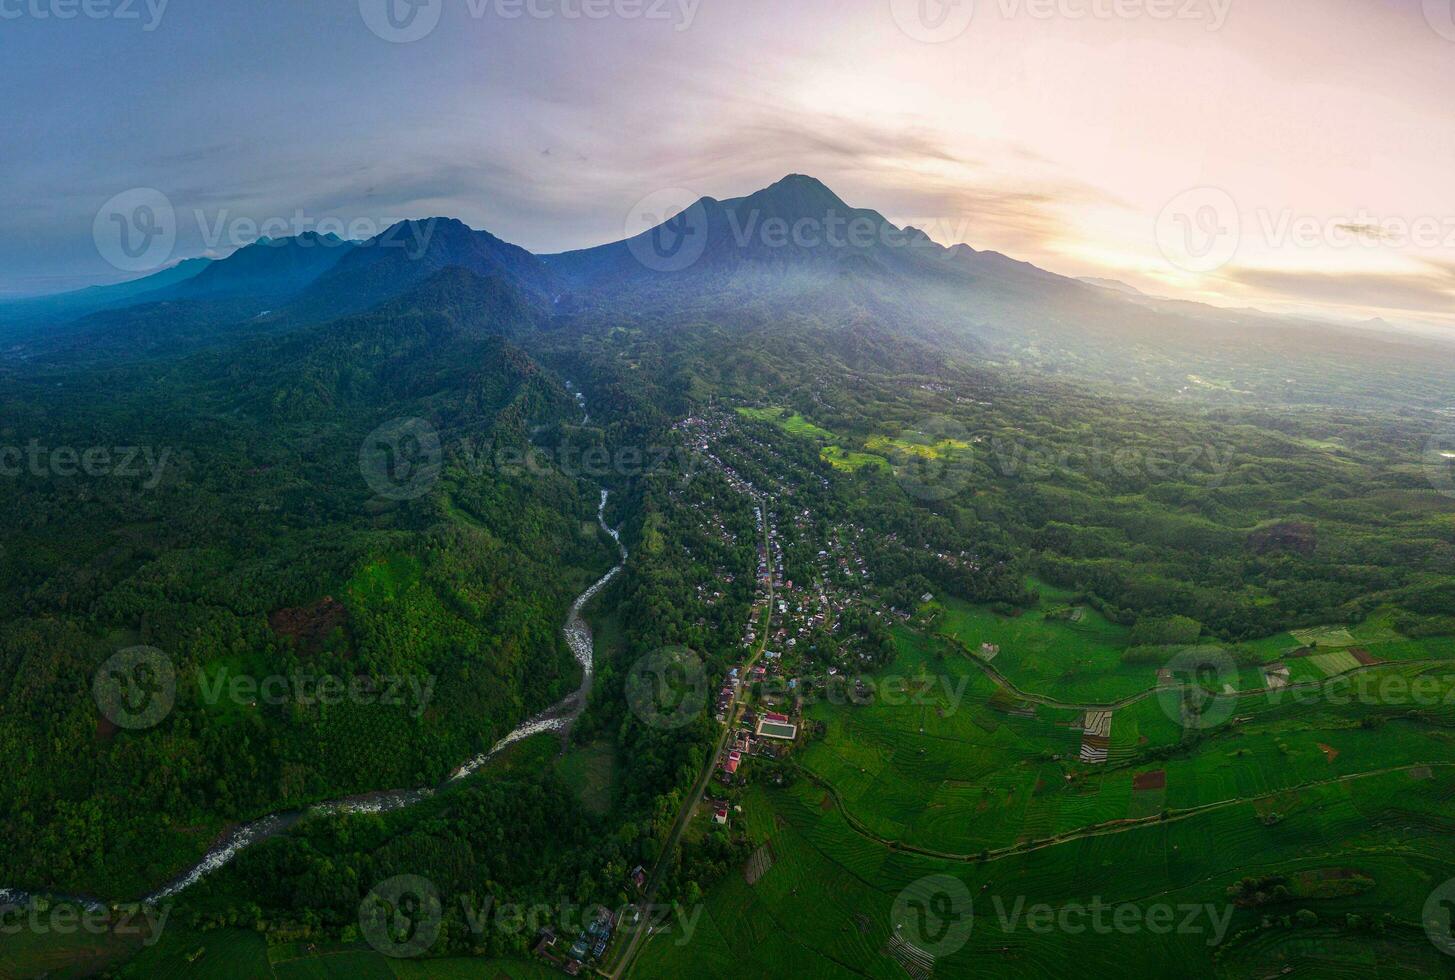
[{"x": 1293, "y": 155}]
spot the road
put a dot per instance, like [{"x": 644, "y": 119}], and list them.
[{"x": 628, "y": 952}]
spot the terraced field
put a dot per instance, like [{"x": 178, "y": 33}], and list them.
[{"x": 828, "y": 905}]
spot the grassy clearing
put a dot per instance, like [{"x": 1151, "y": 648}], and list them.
[
  {"x": 590, "y": 771},
  {"x": 790, "y": 422},
  {"x": 925, "y": 449},
  {"x": 965, "y": 768},
  {"x": 24, "y": 953},
  {"x": 1045, "y": 652},
  {"x": 842, "y": 459},
  {"x": 824, "y": 909},
  {"x": 1325, "y": 636},
  {"x": 222, "y": 954}
]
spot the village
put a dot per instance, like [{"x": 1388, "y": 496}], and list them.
[{"x": 813, "y": 617}]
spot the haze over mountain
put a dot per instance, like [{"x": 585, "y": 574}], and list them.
[{"x": 789, "y": 251}]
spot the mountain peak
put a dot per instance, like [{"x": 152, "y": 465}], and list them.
[{"x": 796, "y": 194}]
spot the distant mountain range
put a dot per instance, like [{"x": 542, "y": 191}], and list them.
[{"x": 789, "y": 252}]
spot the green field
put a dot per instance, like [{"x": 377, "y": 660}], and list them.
[
  {"x": 791, "y": 422},
  {"x": 970, "y": 769},
  {"x": 1043, "y": 653},
  {"x": 842, "y": 459},
  {"x": 827, "y": 906},
  {"x": 589, "y": 771},
  {"x": 234, "y": 954}
]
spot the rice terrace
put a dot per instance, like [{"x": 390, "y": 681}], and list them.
[{"x": 998, "y": 792}]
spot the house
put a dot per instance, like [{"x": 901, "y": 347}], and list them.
[
  {"x": 639, "y": 877},
  {"x": 720, "y": 816}
]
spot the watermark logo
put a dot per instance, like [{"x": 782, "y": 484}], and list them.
[
  {"x": 938, "y": 21},
  {"x": 1104, "y": 918},
  {"x": 667, "y": 230},
  {"x": 1370, "y": 689},
  {"x": 41, "y": 917},
  {"x": 120, "y": 10},
  {"x": 1206, "y": 464},
  {"x": 1439, "y": 917},
  {"x": 1198, "y": 688},
  {"x": 401, "y": 917},
  {"x": 1200, "y": 230},
  {"x": 931, "y": 460},
  {"x": 136, "y": 230},
  {"x": 933, "y": 21},
  {"x": 136, "y": 688},
  {"x": 405, "y": 21},
  {"x": 94, "y": 462},
  {"x": 401, "y": 21},
  {"x": 935, "y": 914},
  {"x": 593, "y": 462},
  {"x": 1439, "y": 463},
  {"x": 1440, "y": 14},
  {"x": 402, "y": 459},
  {"x": 408, "y": 691},
  {"x": 667, "y": 689}
]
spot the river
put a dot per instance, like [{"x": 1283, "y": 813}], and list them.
[{"x": 557, "y": 718}]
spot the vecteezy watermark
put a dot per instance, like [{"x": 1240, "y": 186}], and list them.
[
  {"x": 147, "y": 13},
  {"x": 932, "y": 459},
  {"x": 138, "y": 229},
  {"x": 1439, "y": 463},
  {"x": 1205, "y": 464},
  {"x": 862, "y": 690},
  {"x": 1198, "y": 687},
  {"x": 933, "y": 21},
  {"x": 594, "y": 462},
  {"x": 401, "y": 917},
  {"x": 1440, "y": 15},
  {"x": 670, "y": 230},
  {"x": 1203, "y": 229},
  {"x": 224, "y": 229},
  {"x": 1200, "y": 230},
  {"x": 934, "y": 914},
  {"x": 667, "y": 230},
  {"x": 95, "y": 462},
  {"x": 938, "y": 21},
  {"x": 1438, "y": 917},
  {"x": 1104, "y": 918},
  {"x": 389, "y": 690},
  {"x": 402, "y": 459},
  {"x": 406, "y": 21},
  {"x": 135, "y": 688},
  {"x": 667, "y": 689},
  {"x": 1370, "y": 689},
  {"x": 40, "y": 917},
  {"x": 404, "y": 917}
]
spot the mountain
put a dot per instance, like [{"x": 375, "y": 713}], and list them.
[
  {"x": 794, "y": 226},
  {"x": 407, "y": 255},
  {"x": 797, "y": 248},
  {"x": 269, "y": 269},
  {"x": 1115, "y": 285},
  {"x": 790, "y": 255},
  {"x": 32, "y": 311}
]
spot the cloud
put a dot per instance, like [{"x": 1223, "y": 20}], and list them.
[{"x": 1429, "y": 292}]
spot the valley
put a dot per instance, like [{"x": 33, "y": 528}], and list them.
[{"x": 919, "y": 646}]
